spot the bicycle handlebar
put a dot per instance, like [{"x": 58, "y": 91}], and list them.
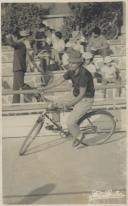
[{"x": 58, "y": 109}]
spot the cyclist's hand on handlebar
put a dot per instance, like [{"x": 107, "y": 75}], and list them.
[
  {"x": 56, "y": 106},
  {"x": 64, "y": 107},
  {"x": 40, "y": 90}
]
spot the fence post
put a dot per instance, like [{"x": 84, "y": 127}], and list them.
[{"x": 21, "y": 97}]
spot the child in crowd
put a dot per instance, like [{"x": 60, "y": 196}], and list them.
[
  {"x": 110, "y": 70},
  {"x": 110, "y": 74}
]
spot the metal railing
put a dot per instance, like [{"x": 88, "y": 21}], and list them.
[{"x": 107, "y": 103}]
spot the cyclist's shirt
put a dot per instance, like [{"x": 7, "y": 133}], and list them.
[{"x": 82, "y": 79}]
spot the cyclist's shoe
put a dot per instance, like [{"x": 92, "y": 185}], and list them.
[
  {"x": 76, "y": 142},
  {"x": 52, "y": 127}
]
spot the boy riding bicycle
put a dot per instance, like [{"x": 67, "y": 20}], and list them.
[{"x": 83, "y": 91}]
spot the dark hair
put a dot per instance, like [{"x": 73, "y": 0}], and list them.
[
  {"x": 58, "y": 34},
  {"x": 96, "y": 30},
  {"x": 66, "y": 40},
  {"x": 16, "y": 32},
  {"x": 41, "y": 25}
]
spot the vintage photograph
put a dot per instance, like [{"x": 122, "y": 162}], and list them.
[{"x": 63, "y": 79}]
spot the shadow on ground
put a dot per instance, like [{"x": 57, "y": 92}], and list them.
[
  {"x": 37, "y": 194},
  {"x": 45, "y": 146},
  {"x": 57, "y": 142},
  {"x": 114, "y": 138}
]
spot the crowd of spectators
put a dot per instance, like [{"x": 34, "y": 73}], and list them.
[
  {"x": 24, "y": 16},
  {"x": 53, "y": 51}
]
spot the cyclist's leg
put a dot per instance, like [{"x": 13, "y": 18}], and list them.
[{"x": 79, "y": 110}]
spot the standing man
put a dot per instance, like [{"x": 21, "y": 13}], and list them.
[{"x": 19, "y": 60}]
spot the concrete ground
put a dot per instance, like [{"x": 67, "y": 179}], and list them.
[{"x": 53, "y": 172}]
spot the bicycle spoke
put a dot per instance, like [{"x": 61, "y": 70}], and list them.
[{"x": 100, "y": 127}]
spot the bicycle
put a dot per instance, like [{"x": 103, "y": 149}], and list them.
[
  {"x": 108, "y": 25},
  {"x": 97, "y": 127}
]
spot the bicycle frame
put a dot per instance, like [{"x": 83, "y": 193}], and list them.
[
  {"x": 45, "y": 115},
  {"x": 60, "y": 129}
]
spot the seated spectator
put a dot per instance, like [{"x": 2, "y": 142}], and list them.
[
  {"x": 58, "y": 46},
  {"x": 97, "y": 44},
  {"x": 76, "y": 45},
  {"x": 79, "y": 36},
  {"x": 110, "y": 74},
  {"x": 110, "y": 70}
]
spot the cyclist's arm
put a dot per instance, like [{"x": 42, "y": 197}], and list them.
[
  {"x": 78, "y": 98},
  {"x": 13, "y": 42},
  {"x": 59, "y": 82}
]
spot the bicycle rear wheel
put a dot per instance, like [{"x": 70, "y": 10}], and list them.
[
  {"x": 32, "y": 135},
  {"x": 110, "y": 31},
  {"x": 97, "y": 126}
]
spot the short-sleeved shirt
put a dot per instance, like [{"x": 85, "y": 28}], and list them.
[
  {"x": 98, "y": 42},
  {"x": 83, "y": 79},
  {"x": 109, "y": 72}
]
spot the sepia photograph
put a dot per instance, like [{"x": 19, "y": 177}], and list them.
[{"x": 64, "y": 103}]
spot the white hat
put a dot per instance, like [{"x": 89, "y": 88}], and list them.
[
  {"x": 24, "y": 33},
  {"x": 68, "y": 44},
  {"x": 107, "y": 59},
  {"x": 87, "y": 55},
  {"x": 45, "y": 22}
]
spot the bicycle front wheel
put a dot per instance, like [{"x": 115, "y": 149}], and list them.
[
  {"x": 97, "y": 127},
  {"x": 31, "y": 136}
]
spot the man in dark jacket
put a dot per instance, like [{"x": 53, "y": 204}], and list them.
[{"x": 19, "y": 61}]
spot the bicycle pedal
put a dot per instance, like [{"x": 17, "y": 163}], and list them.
[
  {"x": 49, "y": 127},
  {"x": 84, "y": 144}
]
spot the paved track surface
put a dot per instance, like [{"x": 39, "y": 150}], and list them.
[{"x": 53, "y": 172}]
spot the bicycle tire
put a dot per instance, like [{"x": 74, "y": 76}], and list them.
[
  {"x": 100, "y": 128},
  {"x": 31, "y": 136},
  {"x": 109, "y": 31}
]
